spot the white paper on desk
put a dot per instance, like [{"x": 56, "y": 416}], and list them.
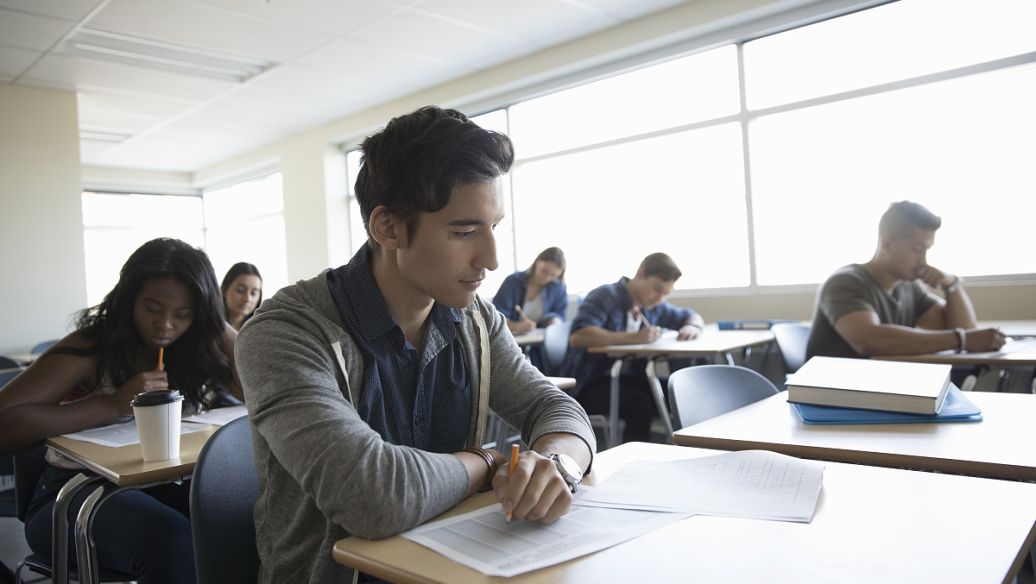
[
  {"x": 755, "y": 484},
  {"x": 121, "y": 434},
  {"x": 485, "y": 541},
  {"x": 219, "y": 416}
]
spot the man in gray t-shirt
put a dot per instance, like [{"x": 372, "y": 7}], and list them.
[{"x": 885, "y": 306}]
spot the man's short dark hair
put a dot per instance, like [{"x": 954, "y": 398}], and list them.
[
  {"x": 902, "y": 217},
  {"x": 661, "y": 265},
  {"x": 412, "y": 165}
]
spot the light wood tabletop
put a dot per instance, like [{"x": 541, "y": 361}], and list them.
[
  {"x": 125, "y": 466},
  {"x": 871, "y": 524},
  {"x": 1021, "y": 353},
  {"x": 1000, "y": 446},
  {"x": 712, "y": 343}
]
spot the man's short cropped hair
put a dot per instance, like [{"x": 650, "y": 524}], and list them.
[
  {"x": 412, "y": 165},
  {"x": 902, "y": 217},
  {"x": 661, "y": 265}
]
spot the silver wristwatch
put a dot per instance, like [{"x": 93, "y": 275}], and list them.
[{"x": 569, "y": 470}]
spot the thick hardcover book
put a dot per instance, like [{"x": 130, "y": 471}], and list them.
[
  {"x": 895, "y": 386},
  {"x": 956, "y": 408}
]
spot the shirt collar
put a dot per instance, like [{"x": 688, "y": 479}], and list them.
[{"x": 368, "y": 302}]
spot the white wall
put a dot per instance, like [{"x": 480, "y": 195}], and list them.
[{"x": 41, "y": 216}]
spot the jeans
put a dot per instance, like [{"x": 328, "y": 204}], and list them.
[{"x": 144, "y": 532}]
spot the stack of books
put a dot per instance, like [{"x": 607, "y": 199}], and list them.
[{"x": 833, "y": 390}]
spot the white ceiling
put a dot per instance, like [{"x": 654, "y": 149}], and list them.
[{"x": 329, "y": 58}]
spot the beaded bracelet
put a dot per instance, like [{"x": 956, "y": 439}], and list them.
[
  {"x": 490, "y": 463},
  {"x": 961, "y": 339}
]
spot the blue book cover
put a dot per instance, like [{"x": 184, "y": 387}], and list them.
[
  {"x": 749, "y": 325},
  {"x": 956, "y": 408}
]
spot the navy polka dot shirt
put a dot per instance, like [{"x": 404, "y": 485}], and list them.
[{"x": 412, "y": 396}]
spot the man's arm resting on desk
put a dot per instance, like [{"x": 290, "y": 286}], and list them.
[
  {"x": 867, "y": 336},
  {"x": 535, "y": 490}
]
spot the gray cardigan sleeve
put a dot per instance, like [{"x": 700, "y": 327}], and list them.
[
  {"x": 523, "y": 397},
  {"x": 298, "y": 406}
]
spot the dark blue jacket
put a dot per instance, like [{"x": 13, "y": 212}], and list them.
[
  {"x": 607, "y": 306},
  {"x": 512, "y": 293}
]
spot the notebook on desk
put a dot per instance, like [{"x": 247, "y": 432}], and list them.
[{"x": 956, "y": 408}]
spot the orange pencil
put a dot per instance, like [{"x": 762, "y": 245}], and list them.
[
  {"x": 161, "y": 365},
  {"x": 513, "y": 465}
]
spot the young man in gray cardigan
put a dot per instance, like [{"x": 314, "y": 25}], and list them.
[{"x": 368, "y": 386}]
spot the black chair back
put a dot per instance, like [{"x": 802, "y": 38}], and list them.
[
  {"x": 224, "y": 488},
  {"x": 706, "y": 391}
]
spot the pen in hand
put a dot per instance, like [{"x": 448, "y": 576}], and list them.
[
  {"x": 510, "y": 469},
  {"x": 161, "y": 364}
]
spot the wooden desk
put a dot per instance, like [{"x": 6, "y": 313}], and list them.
[
  {"x": 534, "y": 337},
  {"x": 1017, "y": 353},
  {"x": 24, "y": 359},
  {"x": 713, "y": 344},
  {"x": 871, "y": 525},
  {"x": 1012, "y": 328},
  {"x": 1000, "y": 446},
  {"x": 124, "y": 468}
]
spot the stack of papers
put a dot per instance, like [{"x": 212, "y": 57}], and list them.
[
  {"x": 123, "y": 434},
  {"x": 641, "y": 497},
  {"x": 219, "y": 416},
  {"x": 755, "y": 484}
]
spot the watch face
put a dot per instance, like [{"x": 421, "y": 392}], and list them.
[{"x": 568, "y": 467}]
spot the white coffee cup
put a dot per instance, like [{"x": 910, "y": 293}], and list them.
[{"x": 157, "y": 414}]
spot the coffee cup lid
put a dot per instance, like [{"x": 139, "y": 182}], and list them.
[{"x": 156, "y": 398}]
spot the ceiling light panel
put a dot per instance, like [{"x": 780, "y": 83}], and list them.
[{"x": 127, "y": 49}]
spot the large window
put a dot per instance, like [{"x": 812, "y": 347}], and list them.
[
  {"x": 245, "y": 223},
  {"x": 768, "y": 162},
  {"x": 115, "y": 225}
]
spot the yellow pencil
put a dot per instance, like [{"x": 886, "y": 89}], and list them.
[
  {"x": 513, "y": 465},
  {"x": 161, "y": 365}
]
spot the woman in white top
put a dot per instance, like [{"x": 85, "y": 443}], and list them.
[
  {"x": 536, "y": 296},
  {"x": 166, "y": 300},
  {"x": 242, "y": 290}
]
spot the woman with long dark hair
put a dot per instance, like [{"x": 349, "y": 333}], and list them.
[{"x": 166, "y": 300}]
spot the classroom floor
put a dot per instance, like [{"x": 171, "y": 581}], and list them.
[{"x": 13, "y": 548}]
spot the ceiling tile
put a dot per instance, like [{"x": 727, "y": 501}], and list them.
[
  {"x": 329, "y": 16},
  {"x": 29, "y": 31},
  {"x": 129, "y": 112},
  {"x": 627, "y": 10},
  {"x": 75, "y": 72},
  {"x": 206, "y": 28},
  {"x": 542, "y": 21},
  {"x": 66, "y": 9},
  {"x": 434, "y": 38},
  {"x": 13, "y": 61}
]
